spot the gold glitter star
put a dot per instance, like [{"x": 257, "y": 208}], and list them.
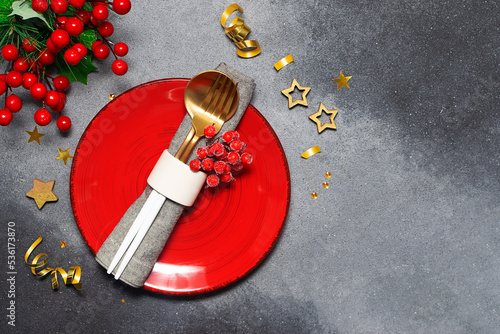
[
  {"x": 326, "y": 185},
  {"x": 63, "y": 244},
  {"x": 315, "y": 118},
  {"x": 35, "y": 135},
  {"x": 42, "y": 192},
  {"x": 342, "y": 81},
  {"x": 123, "y": 300},
  {"x": 314, "y": 195},
  {"x": 287, "y": 92},
  {"x": 64, "y": 155},
  {"x": 328, "y": 175},
  {"x": 112, "y": 96}
]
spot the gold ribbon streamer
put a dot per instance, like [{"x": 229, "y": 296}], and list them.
[
  {"x": 310, "y": 152},
  {"x": 237, "y": 31},
  {"x": 72, "y": 277},
  {"x": 283, "y": 62}
]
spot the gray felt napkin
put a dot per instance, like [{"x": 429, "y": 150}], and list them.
[{"x": 141, "y": 264}]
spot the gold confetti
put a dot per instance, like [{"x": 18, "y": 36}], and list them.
[
  {"x": 237, "y": 31},
  {"x": 287, "y": 92},
  {"x": 72, "y": 277},
  {"x": 328, "y": 175},
  {"x": 310, "y": 152},
  {"x": 283, "y": 62},
  {"x": 322, "y": 126},
  {"x": 314, "y": 195},
  {"x": 63, "y": 244},
  {"x": 42, "y": 192},
  {"x": 326, "y": 185},
  {"x": 342, "y": 81},
  {"x": 64, "y": 155},
  {"x": 35, "y": 135},
  {"x": 112, "y": 96}
]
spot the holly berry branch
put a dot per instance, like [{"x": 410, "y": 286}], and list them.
[{"x": 45, "y": 47}]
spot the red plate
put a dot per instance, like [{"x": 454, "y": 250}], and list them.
[{"x": 226, "y": 233}]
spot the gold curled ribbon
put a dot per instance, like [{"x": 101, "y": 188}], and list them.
[
  {"x": 237, "y": 31},
  {"x": 283, "y": 62},
  {"x": 72, "y": 277},
  {"x": 310, "y": 152}
]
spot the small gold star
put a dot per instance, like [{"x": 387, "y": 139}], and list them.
[
  {"x": 112, "y": 96},
  {"x": 314, "y": 195},
  {"x": 42, "y": 192},
  {"x": 64, "y": 155},
  {"x": 326, "y": 185},
  {"x": 123, "y": 300},
  {"x": 63, "y": 244},
  {"x": 342, "y": 81},
  {"x": 315, "y": 118},
  {"x": 35, "y": 135},
  {"x": 287, "y": 92},
  {"x": 328, "y": 175}
]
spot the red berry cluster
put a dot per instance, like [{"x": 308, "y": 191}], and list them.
[
  {"x": 224, "y": 156},
  {"x": 29, "y": 60}
]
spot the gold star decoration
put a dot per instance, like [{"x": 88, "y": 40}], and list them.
[
  {"x": 326, "y": 185},
  {"x": 288, "y": 93},
  {"x": 328, "y": 175},
  {"x": 64, "y": 155},
  {"x": 342, "y": 81},
  {"x": 63, "y": 244},
  {"x": 112, "y": 96},
  {"x": 322, "y": 126},
  {"x": 123, "y": 300},
  {"x": 314, "y": 195},
  {"x": 35, "y": 135},
  {"x": 42, "y": 192}
]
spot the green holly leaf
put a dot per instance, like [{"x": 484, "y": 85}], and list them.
[
  {"x": 24, "y": 10},
  {"x": 78, "y": 72},
  {"x": 87, "y": 37}
]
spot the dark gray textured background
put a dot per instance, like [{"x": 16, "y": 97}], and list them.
[{"x": 406, "y": 239}]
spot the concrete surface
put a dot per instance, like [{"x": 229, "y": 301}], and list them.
[{"x": 406, "y": 239}]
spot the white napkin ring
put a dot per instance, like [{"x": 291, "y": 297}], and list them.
[{"x": 175, "y": 180}]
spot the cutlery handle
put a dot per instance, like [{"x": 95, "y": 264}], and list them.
[{"x": 187, "y": 145}]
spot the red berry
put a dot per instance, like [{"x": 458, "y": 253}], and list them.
[
  {"x": 77, "y": 3},
  {"x": 59, "y": 6},
  {"x": 105, "y": 28},
  {"x": 74, "y": 26},
  {"x": 29, "y": 45},
  {"x": 5, "y": 117},
  {"x": 83, "y": 15},
  {"x": 233, "y": 158},
  {"x": 72, "y": 56},
  {"x": 236, "y": 134},
  {"x": 61, "y": 83},
  {"x": 195, "y": 165},
  {"x": 10, "y": 52},
  {"x": 237, "y": 145},
  {"x": 207, "y": 164},
  {"x": 21, "y": 65},
  {"x": 13, "y": 103},
  {"x": 119, "y": 67},
  {"x": 40, "y": 6},
  {"x": 220, "y": 167},
  {"x": 212, "y": 180},
  {"x": 228, "y": 168},
  {"x": 217, "y": 150},
  {"x": 210, "y": 131},
  {"x": 92, "y": 20},
  {"x": 60, "y": 106},
  {"x": 29, "y": 79},
  {"x": 237, "y": 167},
  {"x": 51, "y": 47},
  {"x": 61, "y": 21},
  {"x": 81, "y": 49},
  {"x": 3, "y": 87},
  {"x": 226, "y": 177},
  {"x": 227, "y": 136},
  {"x": 96, "y": 43},
  {"x": 46, "y": 57},
  {"x": 14, "y": 79},
  {"x": 42, "y": 117},
  {"x": 52, "y": 98},
  {"x": 63, "y": 96},
  {"x": 101, "y": 51},
  {"x": 63, "y": 123},
  {"x": 100, "y": 12},
  {"x": 3, "y": 76},
  {"x": 121, "y": 49},
  {"x": 60, "y": 38},
  {"x": 121, "y": 7},
  {"x": 202, "y": 152},
  {"x": 246, "y": 158},
  {"x": 38, "y": 91}
]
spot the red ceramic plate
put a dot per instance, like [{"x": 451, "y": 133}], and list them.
[{"x": 224, "y": 235}]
